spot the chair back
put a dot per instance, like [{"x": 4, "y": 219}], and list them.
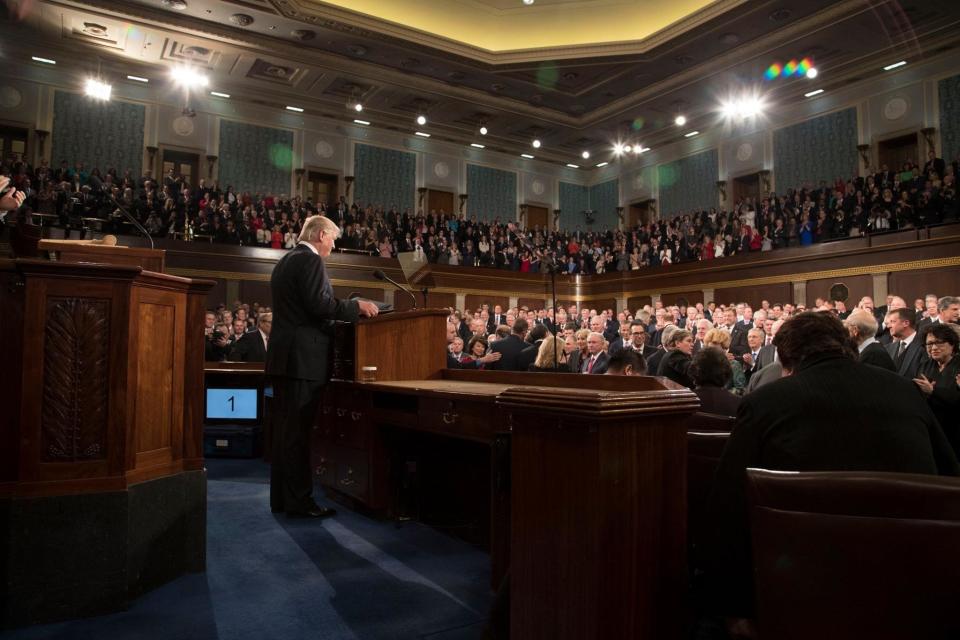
[
  {"x": 701, "y": 421},
  {"x": 855, "y": 554},
  {"x": 703, "y": 456}
]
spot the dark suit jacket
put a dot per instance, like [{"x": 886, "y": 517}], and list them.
[
  {"x": 573, "y": 361},
  {"x": 653, "y": 362},
  {"x": 304, "y": 310},
  {"x": 717, "y": 400},
  {"x": 738, "y": 340},
  {"x": 249, "y": 348},
  {"x": 599, "y": 366},
  {"x": 875, "y": 354},
  {"x": 945, "y": 399},
  {"x": 676, "y": 366},
  {"x": 509, "y": 349},
  {"x": 913, "y": 357},
  {"x": 767, "y": 352},
  {"x": 528, "y": 356},
  {"x": 832, "y": 414}
]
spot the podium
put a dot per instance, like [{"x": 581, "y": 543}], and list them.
[
  {"x": 402, "y": 345},
  {"x": 102, "y": 487}
]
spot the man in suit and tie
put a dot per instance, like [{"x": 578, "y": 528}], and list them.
[
  {"x": 738, "y": 334},
  {"x": 595, "y": 360},
  {"x": 949, "y": 309},
  {"x": 305, "y": 310},
  {"x": 931, "y": 313},
  {"x": 497, "y": 318},
  {"x": 907, "y": 350},
  {"x": 510, "y": 347},
  {"x": 751, "y": 358},
  {"x": 252, "y": 347},
  {"x": 862, "y": 326}
]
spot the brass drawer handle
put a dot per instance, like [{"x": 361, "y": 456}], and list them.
[
  {"x": 341, "y": 412},
  {"x": 348, "y": 480},
  {"x": 355, "y": 415},
  {"x": 449, "y": 418},
  {"x": 321, "y": 470}
]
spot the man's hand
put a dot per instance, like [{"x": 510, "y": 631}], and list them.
[
  {"x": 367, "y": 308},
  {"x": 12, "y": 199},
  {"x": 493, "y": 356},
  {"x": 748, "y": 359}
]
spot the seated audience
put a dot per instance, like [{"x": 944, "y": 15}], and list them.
[
  {"x": 938, "y": 378},
  {"x": 252, "y": 346},
  {"x": 721, "y": 340},
  {"x": 626, "y": 362},
  {"x": 594, "y": 361},
  {"x": 476, "y": 348},
  {"x": 551, "y": 356},
  {"x": 675, "y": 365},
  {"x": 711, "y": 374},
  {"x": 862, "y": 326},
  {"x": 510, "y": 347},
  {"x": 830, "y": 413}
]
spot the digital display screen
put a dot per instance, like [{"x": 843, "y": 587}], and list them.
[{"x": 232, "y": 404}]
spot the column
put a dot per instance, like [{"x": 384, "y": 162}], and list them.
[
  {"x": 799, "y": 292},
  {"x": 881, "y": 283},
  {"x": 707, "y": 296},
  {"x": 514, "y": 301},
  {"x": 461, "y": 302}
]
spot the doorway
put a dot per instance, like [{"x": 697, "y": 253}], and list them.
[
  {"x": 182, "y": 163},
  {"x": 537, "y": 217},
  {"x": 894, "y": 152},
  {"x": 438, "y": 201},
  {"x": 747, "y": 186},
  {"x": 641, "y": 213},
  {"x": 13, "y": 143},
  {"x": 321, "y": 188}
]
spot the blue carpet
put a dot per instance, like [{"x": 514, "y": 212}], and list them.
[{"x": 348, "y": 577}]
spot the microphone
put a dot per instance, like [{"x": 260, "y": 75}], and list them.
[
  {"x": 380, "y": 275},
  {"x": 98, "y": 185}
]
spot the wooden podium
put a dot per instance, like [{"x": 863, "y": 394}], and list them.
[{"x": 102, "y": 487}]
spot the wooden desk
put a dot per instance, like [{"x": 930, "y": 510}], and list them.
[{"x": 593, "y": 520}]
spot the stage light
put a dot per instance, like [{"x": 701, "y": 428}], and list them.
[
  {"x": 188, "y": 77},
  {"x": 536, "y": 144},
  {"x": 618, "y": 149},
  {"x": 483, "y": 130},
  {"x": 363, "y": 122},
  {"x": 528, "y": 2},
  {"x": 889, "y": 67},
  {"x": 812, "y": 73},
  {"x": 358, "y": 107},
  {"x": 810, "y": 94},
  {"x": 627, "y": 148},
  {"x": 422, "y": 134},
  {"x": 680, "y": 121},
  {"x": 97, "y": 89},
  {"x": 742, "y": 108},
  {"x": 527, "y": 156},
  {"x": 421, "y": 120},
  {"x": 585, "y": 155}
]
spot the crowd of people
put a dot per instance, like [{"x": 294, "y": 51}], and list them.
[{"x": 72, "y": 195}]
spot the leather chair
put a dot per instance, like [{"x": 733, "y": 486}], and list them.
[
  {"x": 703, "y": 455},
  {"x": 855, "y": 555}
]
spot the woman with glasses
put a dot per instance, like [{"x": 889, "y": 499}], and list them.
[{"x": 938, "y": 378}]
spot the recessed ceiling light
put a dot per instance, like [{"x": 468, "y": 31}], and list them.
[
  {"x": 527, "y": 156},
  {"x": 528, "y": 2},
  {"x": 297, "y": 109},
  {"x": 812, "y": 73},
  {"x": 627, "y": 148},
  {"x": 585, "y": 155},
  {"x": 680, "y": 121},
  {"x": 220, "y": 95},
  {"x": 690, "y": 134},
  {"x": 573, "y": 166},
  {"x": 889, "y": 67},
  {"x": 602, "y": 164},
  {"x": 363, "y": 122},
  {"x": 536, "y": 144},
  {"x": 477, "y": 146},
  {"x": 810, "y": 94},
  {"x": 421, "y": 120},
  {"x": 483, "y": 130},
  {"x": 43, "y": 60},
  {"x": 358, "y": 107},
  {"x": 137, "y": 79},
  {"x": 422, "y": 134}
]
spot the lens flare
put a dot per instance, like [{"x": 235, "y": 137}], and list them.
[
  {"x": 773, "y": 71},
  {"x": 790, "y": 68}
]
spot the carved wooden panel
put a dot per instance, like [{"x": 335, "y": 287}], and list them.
[{"x": 76, "y": 373}]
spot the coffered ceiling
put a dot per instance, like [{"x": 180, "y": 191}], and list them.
[{"x": 571, "y": 93}]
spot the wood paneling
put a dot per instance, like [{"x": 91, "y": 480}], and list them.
[
  {"x": 638, "y": 302},
  {"x": 533, "y": 303},
  {"x": 473, "y": 302},
  {"x": 362, "y": 292},
  {"x": 601, "y": 304},
  {"x": 256, "y": 291},
  {"x": 217, "y": 294},
  {"x": 435, "y": 300},
  {"x": 691, "y": 297},
  {"x": 911, "y": 285},
  {"x": 858, "y": 286},
  {"x": 782, "y": 292}
]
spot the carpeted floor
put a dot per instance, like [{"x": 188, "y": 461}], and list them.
[{"x": 347, "y": 577}]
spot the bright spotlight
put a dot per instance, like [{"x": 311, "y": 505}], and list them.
[
  {"x": 742, "y": 108},
  {"x": 680, "y": 121},
  {"x": 421, "y": 120},
  {"x": 585, "y": 155},
  {"x": 812, "y": 73},
  {"x": 627, "y": 148},
  {"x": 536, "y": 144},
  {"x": 97, "y": 89},
  {"x": 618, "y": 149},
  {"x": 189, "y": 78},
  {"x": 358, "y": 107},
  {"x": 483, "y": 131}
]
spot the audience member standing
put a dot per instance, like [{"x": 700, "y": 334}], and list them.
[{"x": 938, "y": 378}]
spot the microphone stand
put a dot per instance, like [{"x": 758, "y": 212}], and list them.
[
  {"x": 424, "y": 292},
  {"x": 106, "y": 191},
  {"x": 380, "y": 275}
]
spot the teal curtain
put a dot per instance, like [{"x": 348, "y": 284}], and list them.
[
  {"x": 99, "y": 134},
  {"x": 688, "y": 184},
  {"x": 574, "y": 199},
  {"x": 255, "y": 159},
  {"x": 823, "y": 148},
  {"x": 604, "y": 200},
  {"x": 493, "y": 193},
  {"x": 384, "y": 177},
  {"x": 949, "y": 89}
]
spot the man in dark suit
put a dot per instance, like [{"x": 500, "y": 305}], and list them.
[
  {"x": 907, "y": 349},
  {"x": 529, "y": 354},
  {"x": 862, "y": 326},
  {"x": 252, "y": 347},
  {"x": 876, "y": 421},
  {"x": 304, "y": 312},
  {"x": 496, "y": 319},
  {"x": 594, "y": 361},
  {"x": 510, "y": 348}
]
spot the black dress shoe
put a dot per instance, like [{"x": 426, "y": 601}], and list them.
[{"x": 314, "y": 512}]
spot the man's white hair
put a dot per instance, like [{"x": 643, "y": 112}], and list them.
[{"x": 313, "y": 225}]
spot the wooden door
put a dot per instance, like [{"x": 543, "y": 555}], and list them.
[
  {"x": 747, "y": 186},
  {"x": 640, "y": 213},
  {"x": 438, "y": 201},
  {"x": 896, "y": 151},
  {"x": 321, "y": 188},
  {"x": 537, "y": 216},
  {"x": 183, "y": 163},
  {"x": 13, "y": 143}
]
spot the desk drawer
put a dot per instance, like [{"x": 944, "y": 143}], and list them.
[
  {"x": 324, "y": 468},
  {"x": 462, "y": 418},
  {"x": 350, "y": 426},
  {"x": 353, "y": 473}
]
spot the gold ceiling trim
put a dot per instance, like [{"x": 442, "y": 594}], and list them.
[{"x": 317, "y": 12}]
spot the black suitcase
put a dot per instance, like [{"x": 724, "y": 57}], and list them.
[{"x": 232, "y": 441}]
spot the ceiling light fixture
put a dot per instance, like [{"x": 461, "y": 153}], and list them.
[
  {"x": 527, "y": 156},
  {"x": 43, "y": 60},
  {"x": 618, "y": 148},
  {"x": 422, "y": 134},
  {"x": 477, "y": 146},
  {"x": 421, "y": 119},
  {"x": 220, "y": 95},
  {"x": 643, "y": 149},
  {"x": 810, "y": 94},
  {"x": 188, "y": 77},
  {"x": 627, "y": 148},
  {"x": 585, "y": 155},
  {"x": 528, "y": 2},
  {"x": 358, "y": 107},
  {"x": 138, "y": 79},
  {"x": 680, "y": 121},
  {"x": 98, "y": 90},
  {"x": 483, "y": 130},
  {"x": 297, "y": 109},
  {"x": 363, "y": 122},
  {"x": 691, "y": 134},
  {"x": 602, "y": 164},
  {"x": 812, "y": 73},
  {"x": 536, "y": 144},
  {"x": 889, "y": 67},
  {"x": 573, "y": 166}
]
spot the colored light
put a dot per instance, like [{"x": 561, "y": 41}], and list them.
[
  {"x": 790, "y": 68},
  {"x": 773, "y": 71}
]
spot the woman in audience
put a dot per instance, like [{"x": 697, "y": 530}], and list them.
[
  {"x": 937, "y": 376},
  {"x": 676, "y": 364},
  {"x": 711, "y": 374},
  {"x": 476, "y": 348},
  {"x": 721, "y": 339},
  {"x": 551, "y": 356}
]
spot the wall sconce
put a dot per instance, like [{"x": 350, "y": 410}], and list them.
[
  {"x": 620, "y": 213},
  {"x": 211, "y": 160},
  {"x": 463, "y": 201},
  {"x": 422, "y": 191},
  {"x": 864, "y": 150},
  {"x": 152, "y": 154},
  {"x": 523, "y": 212},
  {"x": 41, "y": 139},
  {"x": 299, "y": 173},
  {"x": 652, "y": 207},
  {"x": 349, "y": 180},
  {"x": 928, "y": 133},
  {"x": 765, "y": 180},
  {"x": 722, "y": 188}
]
